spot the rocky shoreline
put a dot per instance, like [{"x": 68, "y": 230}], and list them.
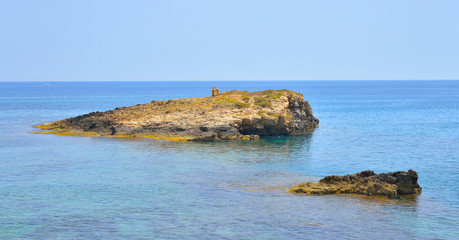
[
  {"x": 231, "y": 115},
  {"x": 366, "y": 183}
]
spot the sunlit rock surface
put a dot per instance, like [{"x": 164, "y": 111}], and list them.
[
  {"x": 366, "y": 182},
  {"x": 231, "y": 115}
]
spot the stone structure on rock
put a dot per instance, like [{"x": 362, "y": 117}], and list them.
[
  {"x": 366, "y": 182},
  {"x": 231, "y": 115},
  {"x": 215, "y": 92}
]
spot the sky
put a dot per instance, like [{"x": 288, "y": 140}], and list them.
[{"x": 181, "y": 40}]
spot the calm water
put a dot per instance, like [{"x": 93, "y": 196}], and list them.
[{"x": 67, "y": 187}]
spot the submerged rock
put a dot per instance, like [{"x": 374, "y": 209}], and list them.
[
  {"x": 366, "y": 182},
  {"x": 231, "y": 115}
]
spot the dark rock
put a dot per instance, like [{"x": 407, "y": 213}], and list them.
[{"x": 366, "y": 182}]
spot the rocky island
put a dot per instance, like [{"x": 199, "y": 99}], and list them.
[
  {"x": 231, "y": 115},
  {"x": 366, "y": 182}
]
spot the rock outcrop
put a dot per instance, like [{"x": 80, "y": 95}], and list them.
[
  {"x": 231, "y": 115},
  {"x": 366, "y": 182},
  {"x": 215, "y": 92}
]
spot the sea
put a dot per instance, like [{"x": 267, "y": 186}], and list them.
[{"x": 73, "y": 187}]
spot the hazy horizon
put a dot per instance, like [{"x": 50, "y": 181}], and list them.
[{"x": 240, "y": 80}]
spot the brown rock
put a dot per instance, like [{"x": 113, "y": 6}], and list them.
[
  {"x": 215, "y": 92},
  {"x": 232, "y": 115},
  {"x": 366, "y": 182}
]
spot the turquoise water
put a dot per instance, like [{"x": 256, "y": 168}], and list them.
[{"x": 69, "y": 187}]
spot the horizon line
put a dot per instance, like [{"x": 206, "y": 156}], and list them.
[{"x": 268, "y": 80}]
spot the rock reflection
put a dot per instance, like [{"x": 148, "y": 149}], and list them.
[
  {"x": 283, "y": 149},
  {"x": 406, "y": 200}
]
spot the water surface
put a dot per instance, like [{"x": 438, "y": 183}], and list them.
[{"x": 70, "y": 187}]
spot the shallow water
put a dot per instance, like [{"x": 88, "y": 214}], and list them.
[{"x": 70, "y": 187}]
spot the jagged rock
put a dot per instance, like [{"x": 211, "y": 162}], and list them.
[
  {"x": 366, "y": 182},
  {"x": 215, "y": 92},
  {"x": 231, "y": 115}
]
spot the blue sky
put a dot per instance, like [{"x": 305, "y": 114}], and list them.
[{"x": 161, "y": 40}]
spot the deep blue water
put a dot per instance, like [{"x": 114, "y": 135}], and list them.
[{"x": 69, "y": 187}]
